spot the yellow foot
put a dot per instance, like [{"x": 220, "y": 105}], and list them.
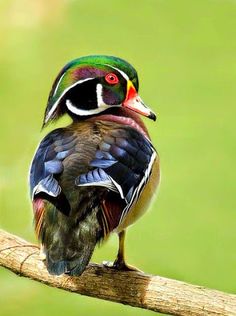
[{"x": 120, "y": 265}]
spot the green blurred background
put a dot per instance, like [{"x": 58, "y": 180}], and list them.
[{"x": 185, "y": 53}]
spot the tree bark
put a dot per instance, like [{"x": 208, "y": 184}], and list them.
[{"x": 132, "y": 288}]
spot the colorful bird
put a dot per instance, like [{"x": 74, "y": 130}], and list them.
[{"x": 97, "y": 175}]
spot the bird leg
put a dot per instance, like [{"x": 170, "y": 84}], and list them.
[
  {"x": 42, "y": 255},
  {"x": 119, "y": 263}
]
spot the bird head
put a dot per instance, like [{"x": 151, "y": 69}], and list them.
[{"x": 93, "y": 84}]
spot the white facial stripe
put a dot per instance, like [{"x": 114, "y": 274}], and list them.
[
  {"x": 101, "y": 104},
  {"x": 81, "y": 112},
  {"x": 99, "y": 95},
  {"x": 55, "y": 91},
  {"x": 59, "y": 99},
  {"x": 120, "y": 71}
]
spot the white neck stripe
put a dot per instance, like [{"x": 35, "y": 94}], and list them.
[{"x": 73, "y": 109}]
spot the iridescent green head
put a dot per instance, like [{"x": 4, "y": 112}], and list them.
[{"x": 92, "y": 84}]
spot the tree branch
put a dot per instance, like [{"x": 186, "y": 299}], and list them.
[{"x": 132, "y": 288}]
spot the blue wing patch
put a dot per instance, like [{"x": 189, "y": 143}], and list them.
[
  {"x": 48, "y": 163},
  {"x": 123, "y": 164},
  {"x": 98, "y": 177},
  {"x": 48, "y": 185}
]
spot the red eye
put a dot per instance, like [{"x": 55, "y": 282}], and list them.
[{"x": 111, "y": 78}]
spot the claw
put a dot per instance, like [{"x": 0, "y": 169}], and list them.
[{"x": 120, "y": 266}]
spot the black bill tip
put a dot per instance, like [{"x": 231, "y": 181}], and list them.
[{"x": 152, "y": 116}]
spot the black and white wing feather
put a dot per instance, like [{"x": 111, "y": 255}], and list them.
[{"x": 123, "y": 164}]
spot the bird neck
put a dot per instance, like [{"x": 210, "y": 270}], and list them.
[{"x": 122, "y": 116}]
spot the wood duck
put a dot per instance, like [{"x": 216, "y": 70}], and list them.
[{"x": 97, "y": 175}]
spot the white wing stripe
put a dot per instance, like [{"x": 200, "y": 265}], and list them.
[{"x": 139, "y": 189}]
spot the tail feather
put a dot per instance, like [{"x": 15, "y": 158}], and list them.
[
  {"x": 56, "y": 268},
  {"x": 73, "y": 267},
  {"x": 69, "y": 244}
]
